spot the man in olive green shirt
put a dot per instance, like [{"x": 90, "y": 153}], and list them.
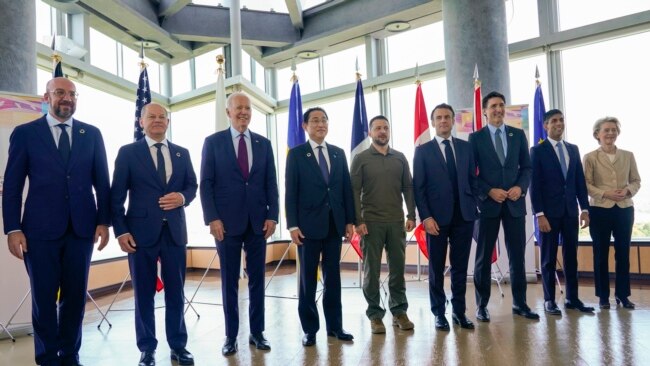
[{"x": 380, "y": 178}]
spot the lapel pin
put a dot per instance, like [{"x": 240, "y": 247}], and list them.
[
  {"x": 510, "y": 134},
  {"x": 178, "y": 154},
  {"x": 308, "y": 155},
  {"x": 82, "y": 131}
]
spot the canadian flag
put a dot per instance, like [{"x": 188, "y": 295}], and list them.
[{"x": 421, "y": 135}]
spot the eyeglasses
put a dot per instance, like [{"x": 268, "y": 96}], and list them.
[
  {"x": 318, "y": 121},
  {"x": 60, "y": 93}
]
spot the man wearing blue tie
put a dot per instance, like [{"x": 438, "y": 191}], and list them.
[
  {"x": 557, "y": 187},
  {"x": 159, "y": 180},
  {"x": 504, "y": 170},
  {"x": 320, "y": 210},
  {"x": 239, "y": 194},
  {"x": 65, "y": 161}
]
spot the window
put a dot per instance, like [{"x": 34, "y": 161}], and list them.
[
  {"x": 423, "y": 45},
  {"x": 591, "y": 94},
  {"x": 521, "y": 16},
  {"x": 522, "y": 85},
  {"x": 308, "y": 76},
  {"x": 576, "y": 13},
  {"x": 340, "y": 68},
  {"x": 43, "y": 23},
  {"x": 103, "y": 51},
  {"x": 206, "y": 67},
  {"x": 181, "y": 78}
]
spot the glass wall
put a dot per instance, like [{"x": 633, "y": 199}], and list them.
[
  {"x": 573, "y": 13},
  {"x": 411, "y": 43},
  {"x": 592, "y": 91},
  {"x": 206, "y": 67},
  {"x": 340, "y": 68},
  {"x": 103, "y": 51},
  {"x": 308, "y": 75}
]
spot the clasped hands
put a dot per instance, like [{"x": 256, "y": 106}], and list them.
[{"x": 500, "y": 195}]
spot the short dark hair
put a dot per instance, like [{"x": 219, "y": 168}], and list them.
[
  {"x": 376, "y": 118},
  {"x": 305, "y": 116},
  {"x": 443, "y": 106},
  {"x": 551, "y": 113},
  {"x": 492, "y": 94}
]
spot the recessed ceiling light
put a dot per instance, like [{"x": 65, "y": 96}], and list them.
[
  {"x": 147, "y": 44},
  {"x": 308, "y": 55},
  {"x": 397, "y": 26}
]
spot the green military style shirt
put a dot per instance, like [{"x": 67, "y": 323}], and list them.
[{"x": 378, "y": 183}]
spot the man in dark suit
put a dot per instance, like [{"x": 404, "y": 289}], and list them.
[
  {"x": 61, "y": 218},
  {"x": 444, "y": 180},
  {"x": 320, "y": 210},
  {"x": 557, "y": 186},
  {"x": 159, "y": 180},
  {"x": 239, "y": 194},
  {"x": 504, "y": 170}
]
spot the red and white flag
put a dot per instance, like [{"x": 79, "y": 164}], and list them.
[{"x": 421, "y": 135}]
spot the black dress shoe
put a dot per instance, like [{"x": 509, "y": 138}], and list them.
[
  {"x": 308, "y": 340},
  {"x": 229, "y": 347},
  {"x": 625, "y": 302},
  {"x": 525, "y": 312},
  {"x": 550, "y": 307},
  {"x": 482, "y": 314},
  {"x": 182, "y": 356},
  {"x": 442, "y": 323},
  {"x": 578, "y": 305},
  {"x": 462, "y": 320},
  {"x": 259, "y": 341},
  {"x": 603, "y": 303},
  {"x": 148, "y": 358},
  {"x": 340, "y": 334}
]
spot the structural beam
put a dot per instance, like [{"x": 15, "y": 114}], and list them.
[
  {"x": 295, "y": 13},
  {"x": 170, "y": 7}
]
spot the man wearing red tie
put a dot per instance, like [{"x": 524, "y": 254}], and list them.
[{"x": 239, "y": 194}]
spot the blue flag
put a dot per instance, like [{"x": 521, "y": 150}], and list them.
[
  {"x": 539, "y": 133},
  {"x": 359, "y": 123},
  {"x": 295, "y": 134},
  {"x": 143, "y": 98}
]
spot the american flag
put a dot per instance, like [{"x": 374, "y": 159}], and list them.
[{"x": 143, "y": 98}]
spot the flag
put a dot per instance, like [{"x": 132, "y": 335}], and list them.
[
  {"x": 143, "y": 98},
  {"x": 539, "y": 133},
  {"x": 355, "y": 241},
  {"x": 221, "y": 118},
  {"x": 295, "y": 133},
  {"x": 421, "y": 127},
  {"x": 360, "y": 140},
  {"x": 57, "y": 70},
  {"x": 421, "y": 135},
  {"x": 421, "y": 238}
]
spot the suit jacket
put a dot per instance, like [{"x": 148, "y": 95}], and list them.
[
  {"x": 598, "y": 174},
  {"x": 308, "y": 199},
  {"x": 434, "y": 194},
  {"x": 57, "y": 193},
  {"x": 135, "y": 174},
  {"x": 516, "y": 170},
  {"x": 550, "y": 192},
  {"x": 226, "y": 196}
]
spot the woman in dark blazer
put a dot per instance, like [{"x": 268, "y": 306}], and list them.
[{"x": 612, "y": 180}]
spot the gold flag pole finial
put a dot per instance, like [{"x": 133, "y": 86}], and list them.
[
  {"x": 537, "y": 83},
  {"x": 221, "y": 61},
  {"x": 294, "y": 77},
  {"x": 56, "y": 58},
  {"x": 143, "y": 65},
  {"x": 356, "y": 65},
  {"x": 477, "y": 82}
]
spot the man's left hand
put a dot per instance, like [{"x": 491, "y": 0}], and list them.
[
  {"x": 584, "y": 219},
  {"x": 410, "y": 225},
  {"x": 349, "y": 231},
  {"x": 171, "y": 201},
  {"x": 101, "y": 232},
  {"x": 269, "y": 228},
  {"x": 514, "y": 193}
]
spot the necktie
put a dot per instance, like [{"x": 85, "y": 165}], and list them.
[
  {"x": 498, "y": 145},
  {"x": 160, "y": 162},
  {"x": 451, "y": 166},
  {"x": 64, "y": 143},
  {"x": 242, "y": 156},
  {"x": 560, "y": 153},
  {"x": 322, "y": 163}
]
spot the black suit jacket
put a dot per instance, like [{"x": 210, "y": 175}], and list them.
[
  {"x": 516, "y": 170},
  {"x": 308, "y": 199}
]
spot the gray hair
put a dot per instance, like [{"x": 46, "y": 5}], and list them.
[
  {"x": 599, "y": 123},
  {"x": 233, "y": 95}
]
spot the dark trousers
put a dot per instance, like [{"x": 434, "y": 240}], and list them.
[
  {"x": 52, "y": 265},
  {"x": 515, "y": 236},
  {"x": 459, "y": 236},
  {"x": 230, "y": 259},
  {"x": 604, "y": 223},
  {"x": 143, "y": 265},
  {"x": 309, "y": 254},
  {"x": 567, "y": 226}
]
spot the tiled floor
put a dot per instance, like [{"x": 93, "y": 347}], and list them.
[{"x": 609, "y": 337}]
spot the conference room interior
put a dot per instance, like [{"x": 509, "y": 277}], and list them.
[{"x": 591, "y": 60}]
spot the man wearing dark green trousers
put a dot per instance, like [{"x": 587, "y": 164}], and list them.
[{"x": 381, "y": 182}]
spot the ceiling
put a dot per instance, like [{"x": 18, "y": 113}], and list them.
[{"x": 186, "y": 30}]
